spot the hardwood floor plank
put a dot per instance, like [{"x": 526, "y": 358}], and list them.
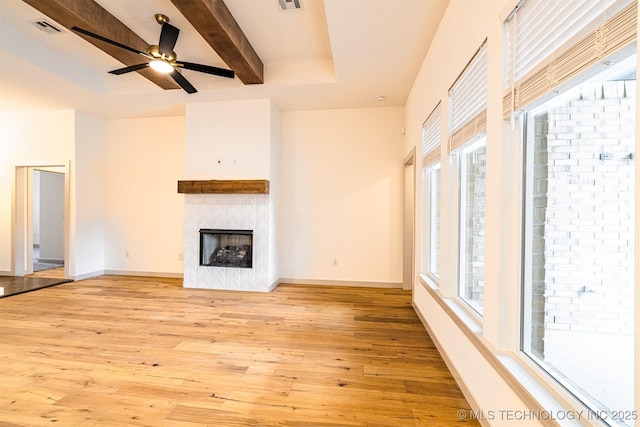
[
  {"x": 55, "y": 273},
  {"x": 137, "y": 351}
]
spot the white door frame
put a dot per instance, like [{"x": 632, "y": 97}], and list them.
[
  {"x": 22, "y": 217},
  {"x": 408, "y": 258}
]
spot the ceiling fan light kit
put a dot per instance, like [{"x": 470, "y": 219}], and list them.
[
  {"x": 161, "y": 57},
  {"x": 161, "y": 66}
]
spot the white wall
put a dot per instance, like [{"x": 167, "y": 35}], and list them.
[
  {"x": 451, "y": 50},
  {"x": 123, "y": 187},
  {"x": 310, "y": 159},
  {"x": 52, "y": 138},
  {"x": 143, "y": 212},
  {"x": 29, "y": 138},
  {"x": 51, "y": 217},
  {"x": 228, "y": 140},
  {"x": 341, "y": 178},
  {"x": 449, "y": 53},
  {"x": 88, "y": 200}
]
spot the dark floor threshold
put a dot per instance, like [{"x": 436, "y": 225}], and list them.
[{"x": 19, "y": 285}]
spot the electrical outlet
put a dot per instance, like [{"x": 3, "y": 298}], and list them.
[
  {"x": 181, "y": 257},
  {"x": 126, "y": 254},
  {"x": 335, "y": 262}
]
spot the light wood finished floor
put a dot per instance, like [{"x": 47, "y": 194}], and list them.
[
  {"x": 54, "y": 273},
  {"x": 131, "y": 351}
]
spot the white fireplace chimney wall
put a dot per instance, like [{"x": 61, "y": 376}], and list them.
[{"x": 234, "y": 140}]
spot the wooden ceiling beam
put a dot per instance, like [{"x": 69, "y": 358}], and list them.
[
  {"x": 89, "y": 15},
  {"x": 213, "y": 20}
]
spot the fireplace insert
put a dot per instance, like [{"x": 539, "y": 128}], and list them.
[{"x": 226, "y": 248}]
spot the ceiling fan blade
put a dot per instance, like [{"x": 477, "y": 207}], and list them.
[
  {"x": 207, "y": 69},
  {"x": 168, "y": 38},
  {"x": 129, "y": 69},
  {"x": 182, "y": 81},
  {"x": 106, "y": 40}
]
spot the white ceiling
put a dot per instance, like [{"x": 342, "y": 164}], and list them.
[{"x": 330, "y": 54}]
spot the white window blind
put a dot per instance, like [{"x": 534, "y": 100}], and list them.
[
  {"x": 468, "y": 101},
  {"x": 431, "y": 137},
  {"x": 549, "y": 42}
]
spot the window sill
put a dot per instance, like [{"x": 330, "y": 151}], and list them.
[
  {"x": 541, "y": 398},
  {"x": 458, "y": 310}
]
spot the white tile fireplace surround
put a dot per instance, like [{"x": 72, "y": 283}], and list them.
[{"x": 228, "y": 212}]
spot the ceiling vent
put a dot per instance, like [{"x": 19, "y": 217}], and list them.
[
  {"x": 46, "y": 26},
  {"x": 290, "y": 4}
]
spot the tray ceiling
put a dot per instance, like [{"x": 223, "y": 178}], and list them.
[{"x": 328, "y": 54}]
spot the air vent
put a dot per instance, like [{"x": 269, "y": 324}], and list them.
[
  {"x": 290, "y": 4},
  {"x": 46, "y": 26}
]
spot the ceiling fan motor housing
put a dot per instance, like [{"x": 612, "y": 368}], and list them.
[
  {"x": 154, "y": 51},
  {"x": 161, "y": 19}
]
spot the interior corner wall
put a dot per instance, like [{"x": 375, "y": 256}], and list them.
[
  {"x": 144, "y": 214},
  {"x": 88, "y": 189},
  {"x": 341, "y": 201},
  {"x": 274, "y": 196},
  {"x": 29, "y": 138}
]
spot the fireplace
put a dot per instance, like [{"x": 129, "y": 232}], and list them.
[
  {"x": 222, "y": 219},
  {"x": 226, "y": 248}
]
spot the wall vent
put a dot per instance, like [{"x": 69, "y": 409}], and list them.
[
  {"x": 46, "y": 26},
  {"x": 290, "y": 4}
]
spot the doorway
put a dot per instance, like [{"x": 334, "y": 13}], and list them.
[
  {"x": 408, "y": 270},
  {"x": 41, "y": 217}
]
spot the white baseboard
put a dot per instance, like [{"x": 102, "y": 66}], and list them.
[
  {"x": 274, "y": 285},
  {"x": 390, "y": 285},
  {"x": 87, "y": 275},
  {"x": 6, "y": 273},
  {"x": 143, "y": 273},
  {"x": 51, "y": 260}
]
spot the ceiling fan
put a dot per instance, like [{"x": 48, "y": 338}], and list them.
[{"x": 161, "y": 57}]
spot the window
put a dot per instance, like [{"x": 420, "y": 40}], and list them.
[
  {"x": 570, "y": 37},
  {"x": 431, "y": 136},
  {"x": 467, "y": 145},
  {"x": 472, "y": 224},
  {"x": 551, "y": 25},
  {"x": 434, "y": 220},
  {"x": 431, "y": 243},
  {"x": 579, "y": 254},
  {"x": 578, "y": 100}
]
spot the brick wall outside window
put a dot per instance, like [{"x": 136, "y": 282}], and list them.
[
  {"x": 583, "y": 214},
  {"x": 475, "y": 201}
]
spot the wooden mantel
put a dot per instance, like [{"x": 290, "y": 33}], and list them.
[{"x": 256, "y": 186}]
